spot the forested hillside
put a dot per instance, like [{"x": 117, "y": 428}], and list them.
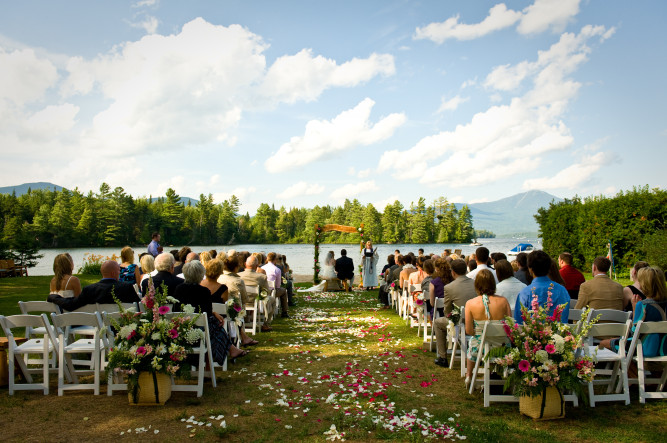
[{"x": 52, "y": 218}]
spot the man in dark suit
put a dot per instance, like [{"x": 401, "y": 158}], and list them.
[
  {"x": 100, "y": 292},
  {"x": 345, "y": 269},
  {"x": 164, "y": 265}
]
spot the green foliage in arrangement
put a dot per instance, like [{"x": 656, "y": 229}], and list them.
[
  {"x": 111, "y": 217},
  {"x": 634, "y": 222}
]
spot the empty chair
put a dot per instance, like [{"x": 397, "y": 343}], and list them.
[
  {"x": 92, "y": 346},
  {"x": 38, "y": 346},
  {"x": 201, "y": 350},
  {"x": 253, "y": 309}
]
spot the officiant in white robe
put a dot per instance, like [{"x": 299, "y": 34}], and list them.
[{"x": 369, "y": 260}]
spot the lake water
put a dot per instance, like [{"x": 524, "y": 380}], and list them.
[{"x": 299, "y": 257}]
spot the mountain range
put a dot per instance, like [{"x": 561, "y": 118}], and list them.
[{"x": 508, "y": 216}]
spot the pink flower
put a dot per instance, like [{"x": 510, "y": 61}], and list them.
[
  {"x": 163, "y": 309},
  {"x": 173, "y": 333},
  {"x": 141, "y": 350},
  {"x": 550, "y": 348},
  {"x": 524, "y": 365},
  {"x": 238, "y": 308}
]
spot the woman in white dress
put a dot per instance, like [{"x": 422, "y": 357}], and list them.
[
  {"x": 63, "y": 282},
  {"x": 369, "y": 259},
  {"x": 328, "y": 273}
]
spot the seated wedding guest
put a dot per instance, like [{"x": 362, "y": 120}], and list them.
[
  {"x": 182, "y": 256},
  {"x": 416, "y": 278},
  {"x": 572, "y": 276},
  {"x": 482, "y": 260},
  {"x": 652, "y": 281},
  {"x": 515, "y": 267},
  {"x": 147, "y": 267},
  {"x": 100, "y": 292},
  {"x": 219, "y": 293},
  {"x": 251, "y": 277},
  {"x": 273, "y": 275},
  {"x": 214, "y": 253},
  {"x": 441, "y": 275},
  {"x": 523, "y": 275},
  {"x": 390, "y": 262},
  {"x": 289, "y": 285},
  {"x": 164, "y": 264},
  {"x": 408, "y": 269},
  {"x": 554, "y": 275},
  {"x": 486, "y": 306},
  {"x": 634, "y": 288},
  {"x": 129, "y": 272},
  {"x": 472, "y": 264},
  {"x": 261, "y": 261},
  {"x": 192, "y": 293},
  {"x": 539, "y": 264},
  {"x": 63, "y": 282},
  {"x": 508, "y": 285},
  {"x": 236, "y": 288},
  {"x": 429, "y": 269},
  {"x": 188, "y": 258},
  {"x": 601, "y": 292},
  {"x": 204, "y": 257},
  {"x": 385, "y": 289}
]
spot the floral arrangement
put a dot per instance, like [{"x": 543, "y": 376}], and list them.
[
  {"x": 544, "y": 352},
  {"x": 454, "y": 316},
  {"x": 235, "y": 310},
  {"x": 316, "y": 266},
  {"x": 152, "y": 341},
  {"x": 263, "y": 293},
  {"x": 420, "y": 299}
]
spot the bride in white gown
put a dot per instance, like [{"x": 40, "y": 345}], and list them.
[{"x": 328, "y": 273}]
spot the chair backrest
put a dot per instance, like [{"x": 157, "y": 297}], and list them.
[
  {"x": 92, "y": 308},
  {"x": 113, "y": 307},
  {"x": 651, "y": 327},
  {"x": 21, "y": 321},
  {"x": 439, "y": 302},
  {"x": 574, "y": 315},
  {"x": 611, "y": 330},
  {"x": 493, "y": 330},
  {"x": 252, "y": 289},
  {"x": 28, "y": 307},
  {"x": 611, "y": 315},
  {"x": 62, "y": 321},
  {"x": 220, "y": 308}
]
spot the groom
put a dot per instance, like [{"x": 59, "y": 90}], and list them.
[{"x": 345, "y": 269}]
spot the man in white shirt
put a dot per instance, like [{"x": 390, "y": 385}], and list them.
[
  {"x": 273, "y": 274},
  {"x": 482, "y": 258}
]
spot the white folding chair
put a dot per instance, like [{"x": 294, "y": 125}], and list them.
[
  {"x": 115, "y": 381},
  {"x": 616, "y": 359},
  {"x": 272, "y": 290},
  {"x": 423, "y": 315},
  {"x": 643, "y": 328},
  {"x": 202, "y": 350},
  {"x": 39, "y": 307},
  {"x": 253, "y": 309},
  {"x": 92, "y": 346},
  {"x": 36, "y": 346},
  {"x": 439, "y": 304},
  {"x": 491, "y": 331}
]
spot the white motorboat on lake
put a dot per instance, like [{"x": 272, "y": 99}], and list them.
[{"x": 521, "y": 247}]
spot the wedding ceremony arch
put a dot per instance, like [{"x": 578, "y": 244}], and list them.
[{"x": 326, "y": 228}]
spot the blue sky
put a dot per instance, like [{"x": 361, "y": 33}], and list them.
[{"x": 302, "y": 103}]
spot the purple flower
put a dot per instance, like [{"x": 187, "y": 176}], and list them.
[
  {"x": 524, "y": 365},
  {"x": 163, "y": 310}
]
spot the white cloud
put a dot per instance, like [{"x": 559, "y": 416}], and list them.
[
  {"x": 547, "y": 14},
  {"x": 149, "y": 24},
  {"x": 572, "y": 176},
  {"x": 499, "y": 18},
  {"x": 301, "y": 188},
  {"x": 352, "y": 190},
  {"x": 477, "y": 200},
  {"x": 323, "y": 138},
  {"x": 381, "y": 204},
  {"x": 142, "y": 3},
  {"x": 503, "y": 140},
  {"x": 24, "y": 78},
  {"x": 452, "y": 104},
  {"x": 364, "y": 173},
  {"x": 542, "y": 15},
  {"x": 241, "y": 192}
]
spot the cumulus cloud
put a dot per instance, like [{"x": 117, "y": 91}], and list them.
[
  {"x": 347, "y": 130},
  {"x": 352, "y": 190},
  {"x": 505, "y": 139},
  {"x": 149, "y": 24},
  {"x": 452, "y": 104},
  {"x": 573, "y": 176},
  {"x": 541, "y": 16},
  {"x": 192, "y": 87},
  {"x": 301, "y": 188},
  {"x": 381, "y": 204},
  {"x": 241, "y": 192},
  {"x": 24, "y": 78}
]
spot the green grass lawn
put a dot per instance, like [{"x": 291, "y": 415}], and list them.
[{"x": 304, "y": 377}]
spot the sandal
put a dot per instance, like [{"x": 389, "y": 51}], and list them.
[{"x": 250, "y": 343}]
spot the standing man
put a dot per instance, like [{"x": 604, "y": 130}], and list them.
[
  {"x": 154, "y": 247},
  {"x": 571, "y": 275},
  {"x": 345, "y": 269}
]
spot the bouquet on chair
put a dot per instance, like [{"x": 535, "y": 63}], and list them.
[
  {"x": 153, "y": 341},
  {"x": 235, "y": 310},
  {"x": 454, "y": 316},
  {"x": 544, "y": 352},
  {"x": 263, "y": 293}
]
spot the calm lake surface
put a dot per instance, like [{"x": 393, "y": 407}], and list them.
[{"x": 299, "y": 257}]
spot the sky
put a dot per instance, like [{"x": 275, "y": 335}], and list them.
[{"x": 304, "y": 103}]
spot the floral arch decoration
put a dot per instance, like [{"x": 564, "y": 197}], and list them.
[{"x": 326, "y": 228}]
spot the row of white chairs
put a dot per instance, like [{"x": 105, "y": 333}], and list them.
[
  {"x": 56, "y": 338},
  {"x": 612, "y": 370}
]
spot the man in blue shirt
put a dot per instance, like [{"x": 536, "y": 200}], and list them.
[
  {"x": 539, "y": 263},
  {"x": 154, "y": 247}
]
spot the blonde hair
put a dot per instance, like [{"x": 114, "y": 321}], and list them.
[
  {"x": 147, "y": 264},
  {"x": 213, "y": 269},
  {"x": 652, "y": 282},
  {"x": 127, "y": 255},
  {"x": 62, "y": 266},
  {"x": 205, "y": 257}
]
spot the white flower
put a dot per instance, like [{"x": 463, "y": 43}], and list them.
[
  {"x": 541, "y": 356},
  {"x": 161, "y": 349},
  {"x": 188, "y": 309},
  {"x": 171, "y": 299},
  {"x": 559, "y": 343},
  {"x": 194, "y": 335},
  {"x": 156, "y": 335},
  {"x": 126, "y": 330}
]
